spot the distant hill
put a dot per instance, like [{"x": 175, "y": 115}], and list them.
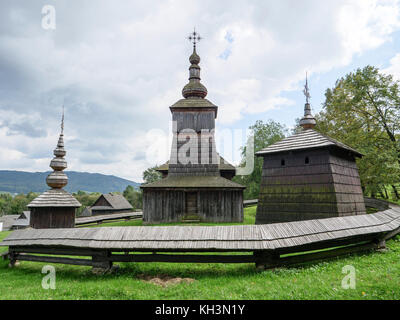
[{"x": 24, "y": 182}]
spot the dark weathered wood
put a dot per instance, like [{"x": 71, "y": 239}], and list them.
[
  {"x": 391, "y": 234},
  {"x": 56, "y": 250},
  {"x": 265, "y": 259},
  {"x": 182, "y": 258},
  {"x": 329, "y": 244},
  {"x": 102, "y": 260},
  {"x": 309, "y": 184},
  {"x": 52, "y": 217},
  {"x": 62, "y": 260},
  {"x": 249, "y": 203},
  {"x": 212, "y": 205},
  {"x": 376, "y": 203},
  {"x": 298, "y": 259}
]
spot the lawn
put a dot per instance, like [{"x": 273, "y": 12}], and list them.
[{"x": 377, "y": 277}]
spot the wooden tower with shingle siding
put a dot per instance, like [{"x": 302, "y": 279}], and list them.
[
  {"x": 55, "y": 208},
  {"x": 193, "y": 188},
  {"x": 308, "y": 176}
]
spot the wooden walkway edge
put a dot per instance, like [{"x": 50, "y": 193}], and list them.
[
  {"x": 267, "y": 246},
  {"x": 83, "y": 221}
]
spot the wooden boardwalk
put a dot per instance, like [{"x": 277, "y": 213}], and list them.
[
  {"x": 107, "y": 218},
  {"x": 267, "y": 243}
]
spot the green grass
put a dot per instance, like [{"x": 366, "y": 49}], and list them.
[{"x": 378, "y": 277}]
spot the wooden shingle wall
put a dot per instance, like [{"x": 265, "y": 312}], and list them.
[
  {"x": 206, "y": 162},
  {"x": 349, "y": 195},
  {"x": 309, "y": 184}
]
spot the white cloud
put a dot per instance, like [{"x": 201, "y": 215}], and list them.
[
  {"x": 117, "y": 66},
  {"x": 394, "y": 67}
]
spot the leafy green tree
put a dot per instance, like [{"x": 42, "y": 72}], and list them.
[
  {"x": 363, "y": 111},
  {"x": 265, "y": 134},
  {"x": 151, "y": 175},
  {"x": 133, "y": 196},
  {"x": 86, "y": 199},
  {"x": 5, "y": 203}
]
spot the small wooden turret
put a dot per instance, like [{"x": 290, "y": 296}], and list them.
[{"x": 55, "y": 208}]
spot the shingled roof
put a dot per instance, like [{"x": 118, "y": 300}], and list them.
[
  {"x": 194, "y": 182},
  {"x": 117, "y": 201},
  {"x": 222, "y": 166},
  {"x": 193, "y": 103},
  {"x": 54, "y": 198},
  {"x": 307, "y": 139}
]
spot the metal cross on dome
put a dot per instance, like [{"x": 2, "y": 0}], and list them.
[
  {"x": 306, "y": 90},
  {"x": 62, "y": 120},
  {"x": 195, "y": 37}
]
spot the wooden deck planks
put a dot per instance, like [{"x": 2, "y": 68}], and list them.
[{"x": 216, "y": 238}]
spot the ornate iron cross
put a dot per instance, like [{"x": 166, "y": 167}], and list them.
[
  {"x": 62, "y": 120},
  {"x": 194, "y": 37},
  {"x": 306, "y": 90}
]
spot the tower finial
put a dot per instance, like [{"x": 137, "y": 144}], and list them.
[
  {"x": 194, "y": 89},
  {"x": 58, "y": 179},
  {"x": 306, "y": 90},
  {"x": 62, "y": 120},
  {"x": 308, "y": 121}
]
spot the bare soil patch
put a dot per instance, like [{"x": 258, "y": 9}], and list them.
[{"x": 164, "y": 280}]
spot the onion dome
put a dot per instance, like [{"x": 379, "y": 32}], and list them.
[
  {"x": 308, "y": 121},
  {"x": 194, "y": 89},
  {"x": 58, "y": 179}
]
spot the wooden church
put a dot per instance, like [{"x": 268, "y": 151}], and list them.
[
  {"x": 194, "y": 187},
  {"x": 55, "y": 208},
  {"x": 309, "y": 176}
]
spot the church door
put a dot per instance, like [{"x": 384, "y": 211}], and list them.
[{"x": 191, "y": 203}]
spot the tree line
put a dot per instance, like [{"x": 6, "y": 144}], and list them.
[{"x": 17, "y": 204}]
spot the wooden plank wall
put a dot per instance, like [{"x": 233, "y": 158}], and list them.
[
  {"x": 43, "y": 218},
  {"x": 213, "y": 205},
  {"x": 163, "y": 205}
]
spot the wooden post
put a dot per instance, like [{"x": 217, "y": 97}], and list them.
[
  {"x": 266, "y": 259},
  {"x": 12, "y": 257},
  {"x": 380, "y": 244},
  {"x": 101, "y": 262}
]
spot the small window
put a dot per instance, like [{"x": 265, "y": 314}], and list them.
[
  {"x": 307, "y": 160},
  {"x": 283, "y": 162}
]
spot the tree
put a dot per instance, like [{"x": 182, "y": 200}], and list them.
[
  {"x": 265, "y": 134},
  {"x": 363, "y": 111},
  {"x": 151, "y": 175},
  {"x": 133, "y": 196},
  {"x": 5, "y": 203},
  {"x": 86, "y": 199}
]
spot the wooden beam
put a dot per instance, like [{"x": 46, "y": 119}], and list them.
[
  {"x": 182, "y": 258},
  {"x": 391, "y": 234},
  {"x": 298, "y": 259},
  {"x": 57, "y": 251},
  {"x": 72, "y": 261}
]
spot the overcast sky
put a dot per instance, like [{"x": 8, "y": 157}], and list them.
[{"x": 118, "y": 65}]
